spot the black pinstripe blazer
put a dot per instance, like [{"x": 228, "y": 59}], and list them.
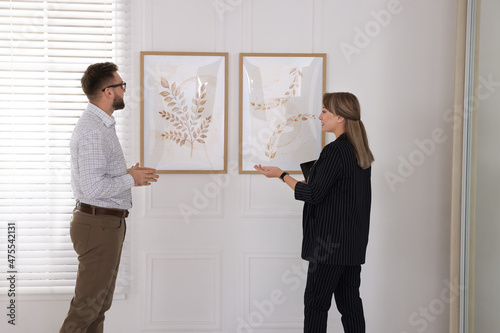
[{"x": 336, "y": 217}]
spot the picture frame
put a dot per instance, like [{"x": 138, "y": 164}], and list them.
[
  {"x": 184, "y": 111},
  {"x": 280, "y": 101}
]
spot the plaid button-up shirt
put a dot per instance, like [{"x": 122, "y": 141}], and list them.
[{"x": 98, "y": 170}]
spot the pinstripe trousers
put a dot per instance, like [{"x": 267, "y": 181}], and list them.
[{"x": 343, "y": 283}]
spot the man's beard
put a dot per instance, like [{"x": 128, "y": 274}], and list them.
[{"x": 118, "y": 103}]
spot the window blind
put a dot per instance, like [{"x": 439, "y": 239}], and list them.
[{"x": 45, "y": 46}]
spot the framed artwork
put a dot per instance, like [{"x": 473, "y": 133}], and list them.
[
  {"x": 280, "y": 102},
  {"x": 184, "y": 112}
]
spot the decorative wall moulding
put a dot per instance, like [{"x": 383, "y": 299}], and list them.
[
  {"x": 273, "y": 282},
  {"x": 256, "y": 204},
  {"x": 184, "y": 112},
  {"x": 280, "y": 100},
  {"x": 194, "y": 203},
  {"x": 183, "y": 291}
]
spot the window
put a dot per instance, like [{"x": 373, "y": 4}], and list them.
[{"x": 45, "y": 46}]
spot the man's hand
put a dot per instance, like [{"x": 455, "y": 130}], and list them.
[{"x": 143, "y": 176}]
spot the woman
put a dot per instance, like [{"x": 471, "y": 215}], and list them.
[{"x": 336, "y": 216}]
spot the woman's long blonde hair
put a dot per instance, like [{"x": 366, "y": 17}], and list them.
[{"x": 346, "y": 105}]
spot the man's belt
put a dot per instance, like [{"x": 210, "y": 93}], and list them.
[{"x": 94, "y": 210}]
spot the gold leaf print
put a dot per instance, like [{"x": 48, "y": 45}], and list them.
[
  {"x": 187, "y": 128},
  {"x": 271, "y": 145},
  {"x": 287, "y": 95}
]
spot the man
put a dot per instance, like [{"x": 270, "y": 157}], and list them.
[{"x": 102, "y": 186}]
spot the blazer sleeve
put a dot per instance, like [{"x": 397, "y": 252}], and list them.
[{"x": 328, "y": 170}]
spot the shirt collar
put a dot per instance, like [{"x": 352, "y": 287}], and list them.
[{"x": 109, "y": 121}]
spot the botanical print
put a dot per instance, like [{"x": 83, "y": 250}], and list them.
[
  {"x": 271, "y": 145},
  {"x": 295, "y": 84},
  {"x": 184, "y": 112},
  {"x": 186, "y": 121},
  {"x": 281, "y": 98}
]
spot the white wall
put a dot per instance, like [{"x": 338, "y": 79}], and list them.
[{"x": 243, "y": 247}]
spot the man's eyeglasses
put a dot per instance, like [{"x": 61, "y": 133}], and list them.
[{"x": 123, "y": 85}]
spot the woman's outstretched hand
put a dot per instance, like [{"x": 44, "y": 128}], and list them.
[{"x": 269, "y": 171}]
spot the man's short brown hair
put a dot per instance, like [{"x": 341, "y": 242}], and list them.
[{"x": 96, "y": 77}]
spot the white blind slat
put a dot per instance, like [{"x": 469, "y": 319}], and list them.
[{"x": 45, "y": 46}]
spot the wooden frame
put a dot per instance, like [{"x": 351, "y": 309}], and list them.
[
  {"x": 184, "y": 112},
  {"x": 280, "y": 99}
]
